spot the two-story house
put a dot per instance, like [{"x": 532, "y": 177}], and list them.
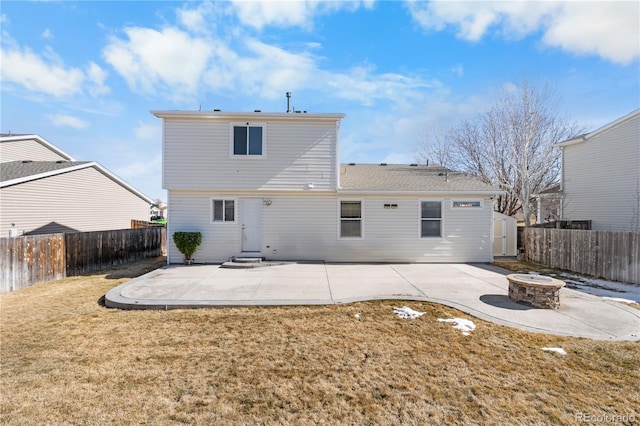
[
  {"x": 601, "y": 176},
  {"x": 271, "y": 185},
  {"x": 44, "y": 190}
]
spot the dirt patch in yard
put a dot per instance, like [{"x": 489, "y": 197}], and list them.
[{"x": 67, "y": 359}]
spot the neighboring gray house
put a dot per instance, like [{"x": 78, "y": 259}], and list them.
[
  {"x": 44, "y": 190},
  {"x": 271, "y": 185},
  {"x": 601, "y": 176}
]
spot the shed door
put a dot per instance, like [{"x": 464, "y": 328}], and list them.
[
  {"x": 499, "y": 237},
  {"x": 251, "y": 219}
]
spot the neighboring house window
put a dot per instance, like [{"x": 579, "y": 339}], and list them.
[
  {"x": 248, "y": 139},
  {"x": 430, "y": 219},
  {"x": 350, "y": 219},
  {"x": 466, "y": 204},
  {"x": 223, "y": 210}
]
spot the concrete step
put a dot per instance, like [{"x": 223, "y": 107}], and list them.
[
  {"x": 241, "y": 265},
  {"x": 247, "y": 259}
]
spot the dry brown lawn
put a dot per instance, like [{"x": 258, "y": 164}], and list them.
[{"x": 66, "y": 359}]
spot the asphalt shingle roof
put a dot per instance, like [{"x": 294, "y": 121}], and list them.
[
  {"x": 21, "y": 169},
  {"x": 399, "y": 177}
]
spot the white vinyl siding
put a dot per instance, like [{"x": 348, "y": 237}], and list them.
[
  {"x": 27, "y": 149},
  {"x": 601, "y": 178},
  {"x": 304, "y": 227},
  {"x": 191, "y": 211},
  {"x": 196, "y": 157},
  {"x": 83, "y": 200}
]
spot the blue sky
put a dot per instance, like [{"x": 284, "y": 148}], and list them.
[{"x": 84, "y": 75}]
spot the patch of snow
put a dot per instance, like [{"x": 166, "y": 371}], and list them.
[
  {"x": 602, "y": 288},
  {"x": 461, "y": 324},
  {"x": 555, "y": 350},
  {"x": 407, "y": 313},
  {"x": 620, "y": 299}
]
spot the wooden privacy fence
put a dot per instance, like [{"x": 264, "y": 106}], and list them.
[
  {"x": 33, "y": 259},
  {"x": 29, "y": 260},
  {"x": 606, "y": 254}
]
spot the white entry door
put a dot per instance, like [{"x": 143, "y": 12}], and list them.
[
  {"x": 251, "y": 220},
  {"x": 499, "y": 237}
]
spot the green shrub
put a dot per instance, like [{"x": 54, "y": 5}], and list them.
[{"x": 187, "y": 242}]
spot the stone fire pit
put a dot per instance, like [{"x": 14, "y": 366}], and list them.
[{"x": 535, "y": 290}]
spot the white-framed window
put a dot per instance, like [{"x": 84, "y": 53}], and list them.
[
  {"x": 223, "y": 210},
  {"x": 467, "y": 204},
  {"x": 430, "y": 218},
  {"x": 350, "y": 214},
  {"x": 248, "y": 140}
]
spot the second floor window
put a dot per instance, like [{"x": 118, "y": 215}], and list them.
[{"x": 248, "y": 139}]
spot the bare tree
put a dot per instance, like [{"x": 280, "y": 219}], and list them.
[
  {"x": 434, "y": 147},
  {"x": 512, "y": 145}
]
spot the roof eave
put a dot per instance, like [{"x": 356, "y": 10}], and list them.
[
  {"x": 420, "y": 192},
  {"x": 585, "y": 137},
  {"x": 254, "y": 115}
]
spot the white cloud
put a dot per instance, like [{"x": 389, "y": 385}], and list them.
[
  {"x": 264, "y": 70},
  {"x": 607, "y": 29},
  {"x": 25, "y": 68},
  {"x": 458, "y": 70},
  {"x": 200, "y": 19},
  {"x": 95, "y": 79},
  {"x": 47, "y": 34},
  {"x": 145, "y": 131},
  {"x": 290, "y": 13},
  {"x": 148, "y": 59},
  {"x": 144, "y": 174},
  {"x": 199, "y": 58},
  {"x": 46, "y": 73},
  {"x": 68, "y": 120}
]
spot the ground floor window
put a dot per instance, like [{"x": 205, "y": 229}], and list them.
[
  {"x": 350, "y": 219},
  {"x": 430, "y": 219},
  {"x": 223, "y": 210}
]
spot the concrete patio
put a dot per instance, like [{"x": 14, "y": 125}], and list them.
[{"x": 478, "y": 290}]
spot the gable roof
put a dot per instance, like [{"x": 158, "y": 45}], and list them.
[
  {"x": 409, "y": 178},
  {"x": 586, "y": 136},
  {"x": 39, "y": 139},
  {"x": 17, "y": 172}
]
